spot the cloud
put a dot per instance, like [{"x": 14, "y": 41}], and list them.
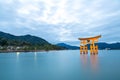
[{"x": 62, "y": 20}]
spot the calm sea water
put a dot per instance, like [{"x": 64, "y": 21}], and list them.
[{"x": 60, "y": 65}]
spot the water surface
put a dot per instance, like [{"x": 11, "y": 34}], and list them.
[{"x": 60, "y": 65}]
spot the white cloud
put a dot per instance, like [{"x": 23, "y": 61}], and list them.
[
  {"x": 66, "y": 19},
  {"x": 54, "y": 12},
  {"x": 27, "y": 10},
  {"x": 63, "y": 11},
  {"x": 63, "y": 34}
]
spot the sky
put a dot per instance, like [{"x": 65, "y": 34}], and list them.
[{"x": 60, "y": 21}]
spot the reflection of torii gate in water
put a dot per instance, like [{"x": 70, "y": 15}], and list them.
[{"x": 91, "y": 41}]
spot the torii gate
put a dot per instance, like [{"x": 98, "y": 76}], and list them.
[{"x": 91, "y": 41}]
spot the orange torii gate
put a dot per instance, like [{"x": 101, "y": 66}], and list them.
[{"x": 91, "y": 41}]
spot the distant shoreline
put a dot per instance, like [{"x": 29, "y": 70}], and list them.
[{"x": 8, "y": 51}]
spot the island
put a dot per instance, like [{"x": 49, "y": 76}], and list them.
[{"x": 12, "y": 43}]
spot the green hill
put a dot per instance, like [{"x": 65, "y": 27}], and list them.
[{"x": 26, "y": 42}]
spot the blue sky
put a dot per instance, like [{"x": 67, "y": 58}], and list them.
[{"x": 62, "y": 20}]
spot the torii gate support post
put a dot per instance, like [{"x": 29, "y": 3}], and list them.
[{"x": 83, "y": 47}]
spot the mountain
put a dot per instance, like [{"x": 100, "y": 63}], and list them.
[
  {"x": 109, "y": 46},
  {"x": 27, "y": 42},
  {"x": 101, "y": 45},
  {"x": 26, "y": 38},
  {"x": 67, "y": 46}
]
